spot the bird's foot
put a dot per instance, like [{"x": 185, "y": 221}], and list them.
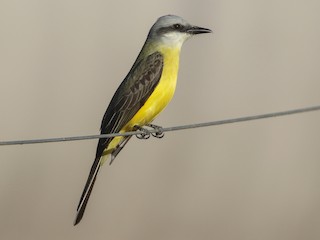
[
  {"x": 145, "y": 133},
  {"x": 159, "y": 130}
]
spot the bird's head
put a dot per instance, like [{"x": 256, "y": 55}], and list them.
[{"x": 173, "y": 30}]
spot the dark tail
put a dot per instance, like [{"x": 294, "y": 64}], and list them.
[{"x": 87, "y": 190}]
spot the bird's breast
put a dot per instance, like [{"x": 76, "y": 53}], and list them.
[{"x": 162, "y": 93}]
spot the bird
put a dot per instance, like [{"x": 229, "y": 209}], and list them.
[{"x": 143, "y": 94}]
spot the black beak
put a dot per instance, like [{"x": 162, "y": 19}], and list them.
[{"x": 198, "y": 30}]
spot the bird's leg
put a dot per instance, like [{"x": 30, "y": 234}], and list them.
[
  {"x": 145, "y": 134},
  {"x": 159, "y": 133}
]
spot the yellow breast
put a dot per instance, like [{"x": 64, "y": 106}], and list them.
[{"x": 162, "y": 94}]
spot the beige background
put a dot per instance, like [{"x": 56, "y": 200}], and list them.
[{"x": 61, "y": 62}]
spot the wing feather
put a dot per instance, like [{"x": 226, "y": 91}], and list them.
[{"x": 131, "y": 96}]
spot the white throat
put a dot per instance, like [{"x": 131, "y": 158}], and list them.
[{"x": 174, "y": 39}]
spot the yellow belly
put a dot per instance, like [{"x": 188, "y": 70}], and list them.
[{"x": 157, "y": 101}]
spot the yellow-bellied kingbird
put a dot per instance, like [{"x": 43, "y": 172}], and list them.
[{"x": 143, "y": 94}]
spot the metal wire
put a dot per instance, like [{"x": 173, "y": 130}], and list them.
[{"x": 162, "y": 130}]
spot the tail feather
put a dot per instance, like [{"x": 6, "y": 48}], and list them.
[
  {"x": 100, "y": 159},
  {"x": 87, "y": 190}
]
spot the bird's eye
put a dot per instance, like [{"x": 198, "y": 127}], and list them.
[{"x": 177, "y": 26}]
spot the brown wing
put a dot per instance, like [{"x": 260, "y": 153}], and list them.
[{"x": 131, "y": 96}]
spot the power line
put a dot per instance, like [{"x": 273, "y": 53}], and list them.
[{"x": 168, "y": 129}]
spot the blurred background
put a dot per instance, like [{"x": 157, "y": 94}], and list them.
[{"x": 61, "y": 62}]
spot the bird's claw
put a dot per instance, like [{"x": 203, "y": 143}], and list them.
[
  {"x": 159, "y": 132},
  {"x": 145, "y": 133}
]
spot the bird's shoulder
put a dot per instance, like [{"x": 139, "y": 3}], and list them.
[{"x": 143, "y": 72}]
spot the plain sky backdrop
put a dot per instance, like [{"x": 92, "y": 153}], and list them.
[{"x": 61, "y": 62}]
